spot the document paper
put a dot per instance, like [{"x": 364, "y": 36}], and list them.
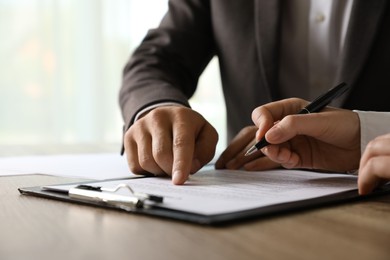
[{"x": 210, "y": 192}]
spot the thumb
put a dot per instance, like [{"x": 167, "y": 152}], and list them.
[{"x": 282, "y": 131}]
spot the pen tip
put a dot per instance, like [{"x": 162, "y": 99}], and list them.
[{"x": 251, "y": 150}]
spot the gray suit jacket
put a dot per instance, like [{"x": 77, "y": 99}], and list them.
[{"x": 245, "y": 37}]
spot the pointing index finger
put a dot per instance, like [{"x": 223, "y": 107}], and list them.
[{"x": 183, "y": 150}]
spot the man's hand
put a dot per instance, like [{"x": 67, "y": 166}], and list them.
[
  {"x": 375, "y": 164},
  {"x": 171, "y": 140},
  {"x": 329, "y": 140}
]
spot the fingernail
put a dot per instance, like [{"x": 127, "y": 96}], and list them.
[{"x": 177, "y": 178}]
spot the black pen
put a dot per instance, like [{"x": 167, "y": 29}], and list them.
[{"x": 317, "y": 105}]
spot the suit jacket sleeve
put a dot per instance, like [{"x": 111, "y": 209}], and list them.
[{"x": 167, "y": 64}]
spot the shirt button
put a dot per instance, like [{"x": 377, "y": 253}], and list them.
[{"x": 319, "y": 18}]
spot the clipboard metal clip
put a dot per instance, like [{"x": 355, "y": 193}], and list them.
[{"x": 109, "y": 196}]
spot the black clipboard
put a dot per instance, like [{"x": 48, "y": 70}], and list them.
[{"x": 153, "y": 204}]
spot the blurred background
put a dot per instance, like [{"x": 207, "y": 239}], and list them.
[{"x": 61, "y": 68}]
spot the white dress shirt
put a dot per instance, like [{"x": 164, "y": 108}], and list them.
[{"x": 313, "y": 34}]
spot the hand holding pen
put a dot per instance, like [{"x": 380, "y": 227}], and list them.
[
  {"x": 329, "y": 140},
  {"x": 317, "y": 105}
]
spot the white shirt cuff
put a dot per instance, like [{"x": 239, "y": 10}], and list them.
[{"x": 372, "y": 125}]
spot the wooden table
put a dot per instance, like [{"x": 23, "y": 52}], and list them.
[{"x": 37, "y": 228}]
